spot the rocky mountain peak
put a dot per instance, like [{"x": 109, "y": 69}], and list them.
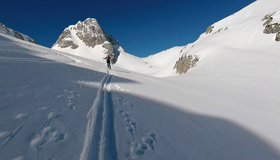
[{"x": 88, "y": 31}]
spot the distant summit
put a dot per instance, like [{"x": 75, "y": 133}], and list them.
[
  {"x": 88, "y": 31},
  {"x": 85, "y": 39},
  {"x": 6, "y": 30}
]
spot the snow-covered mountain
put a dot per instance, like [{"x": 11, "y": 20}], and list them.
[
  {"x": 87, "y": 39},
  {"x": 254, "y": 29},
  {"x": 56, "y": 105},
  {"x": 249, "y": 29},
  {"x": 18, "y": 35}
]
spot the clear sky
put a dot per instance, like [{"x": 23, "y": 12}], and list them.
[{"x": 143, "y": 27}]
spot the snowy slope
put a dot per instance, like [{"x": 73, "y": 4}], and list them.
[
  {"x": 227, "y": 107},
  {"x": 240, "y": 31},
  {"x": 61, "y": 106},
  {"x": 162, "y": 64}
]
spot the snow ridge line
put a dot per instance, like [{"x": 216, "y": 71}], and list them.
[{"x": 99, "y": 142}]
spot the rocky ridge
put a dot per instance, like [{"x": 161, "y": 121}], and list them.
[{"x": 13, "y": 33}]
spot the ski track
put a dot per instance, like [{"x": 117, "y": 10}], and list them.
[
  {"x": 13, "y": 133},
  {"x": 100, "y": 140}
]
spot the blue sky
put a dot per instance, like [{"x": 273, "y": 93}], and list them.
[{"x": 143, "y": 27}]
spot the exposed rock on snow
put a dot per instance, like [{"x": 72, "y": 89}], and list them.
[
  {"x": 271, "y": 24},
  {"x": 88, "y": 31},
  {"x": 272, "y": 28},
  {"x": 268, "y": 19},
  {"x": 209, "y": 29},
  {"x": 110, "y": 49},
  {"x": 64, "y": 42},
  {"x": 185, "y": 63},
  {"x": 277, "y": 38},
  {"x": 18, "y": 35}
]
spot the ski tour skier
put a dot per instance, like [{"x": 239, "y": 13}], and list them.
[{"x": 108, "y": 59}]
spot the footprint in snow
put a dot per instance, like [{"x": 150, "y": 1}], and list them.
[
  {"x": 130, "y": 125},
  {"x": 19, "y": 158},
  {"x": 47, "y": 135},
  {"x": 53, "y": 115},
  {"x": 43, "y": 108},
  {"x": 71, "y": 97},
  {"x": 146, "y": 144},
  {"x": 21, "y": 116},
  {"x": 5, "y": 134},
  {"x": 123, "y": 102}
]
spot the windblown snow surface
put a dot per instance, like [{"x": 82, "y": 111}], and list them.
[{"x": 63, "y": 107}]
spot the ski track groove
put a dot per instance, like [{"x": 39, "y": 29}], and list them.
[
  {"x": 13, "y": 134},
  {"x": 99, "y": 142}
]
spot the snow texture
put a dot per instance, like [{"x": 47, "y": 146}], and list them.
[{"x": 56, "y": 105}]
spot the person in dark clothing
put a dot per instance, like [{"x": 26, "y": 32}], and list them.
[{"x": 108, "y": 59}]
